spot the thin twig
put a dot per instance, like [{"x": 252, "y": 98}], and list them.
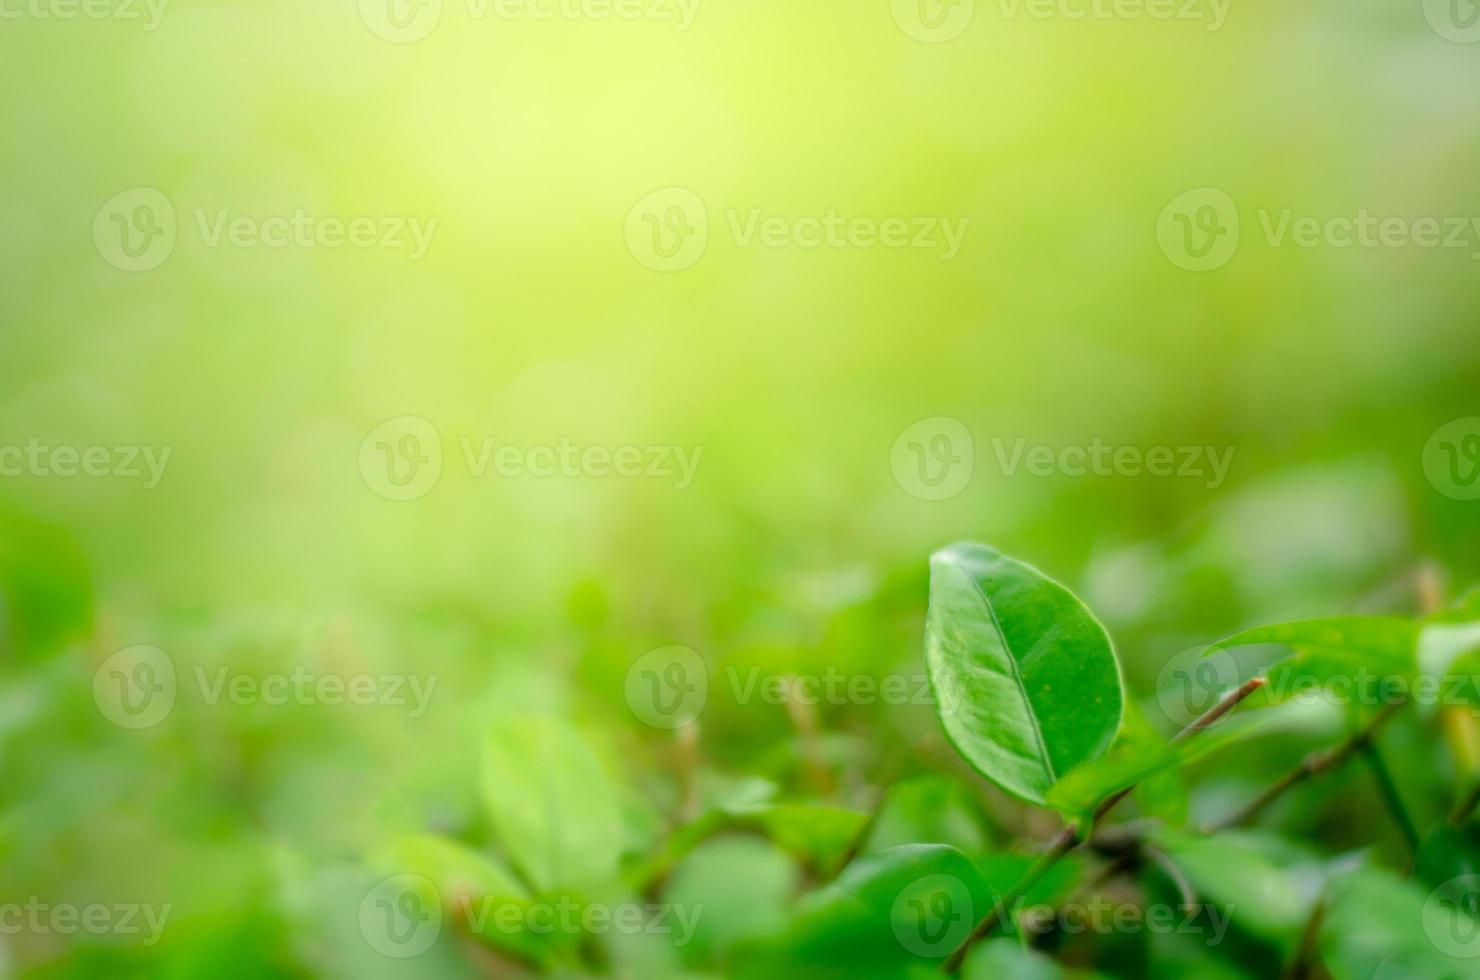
[
  {"x": 1165, "y": 862},
  {"x": 1070, "y": 837},
  {"x": 1465, "y": 806},
  {"x": 1312, "y": 765},
  {"x": 1390, "y": 795},
  {"x": 1304, "y": 960}
]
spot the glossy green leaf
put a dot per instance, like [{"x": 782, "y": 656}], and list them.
[
  {"x": 1025, "y": 677},
  {"x": 551, "y": 803}
]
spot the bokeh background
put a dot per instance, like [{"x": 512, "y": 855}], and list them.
[{"x": 800, "y": 377}]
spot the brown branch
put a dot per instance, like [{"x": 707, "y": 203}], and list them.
[
  {"x": 1069, "y": 838},
  {"x": 1311, "y": 766}
]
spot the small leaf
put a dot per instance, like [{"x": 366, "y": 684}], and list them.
[
  {"x": 1383, "y": 643},
  {"x": 1002, "y": 958},
  {"x": 1132, "y": 762},
  {"x": 818, "y": 835},
  {"x": 1025, "y": 677},
  {"x": 888, "y": 912},
  {"x": 1245, "y": 875},
  {"x": 927, "y": 809},
  {"x": 551, "y": 803},
  {"x": 456, "y": 870}
]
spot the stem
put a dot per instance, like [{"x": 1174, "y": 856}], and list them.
[
  {"x": 1064, "y": 842},
  {"x": 1390, "y": 794},
  {"x": 1305, "y": 954},
  {"x": 1465, "y": 806},
  {"x": 1312, "y": 765},
  {"x": 1069, "y": 838}
]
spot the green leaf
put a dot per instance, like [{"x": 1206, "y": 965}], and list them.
[
  {"x": 1133, "y": 761},
  {"x": 997, "y": 959},
  {"x": 905, "y": 905},
  {"x": 475, "y": 891},
  {"x": 1025, "y": 677},
  {"x": 1447, "y": 853},
  {"x": 927, "y": 809},
  {"x": 456, "y": 870},
  {"x": 1379, "y": 925},
  {"x": 741, "y": 888},
  {"x": 1246, "y": 875},
  {"x": 818, "y": 835},
  {"x": 1383, "y": 643},
  {"x": 551, "y": 803}
]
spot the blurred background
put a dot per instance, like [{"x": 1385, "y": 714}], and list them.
[{"x": 327, "y": 289}]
